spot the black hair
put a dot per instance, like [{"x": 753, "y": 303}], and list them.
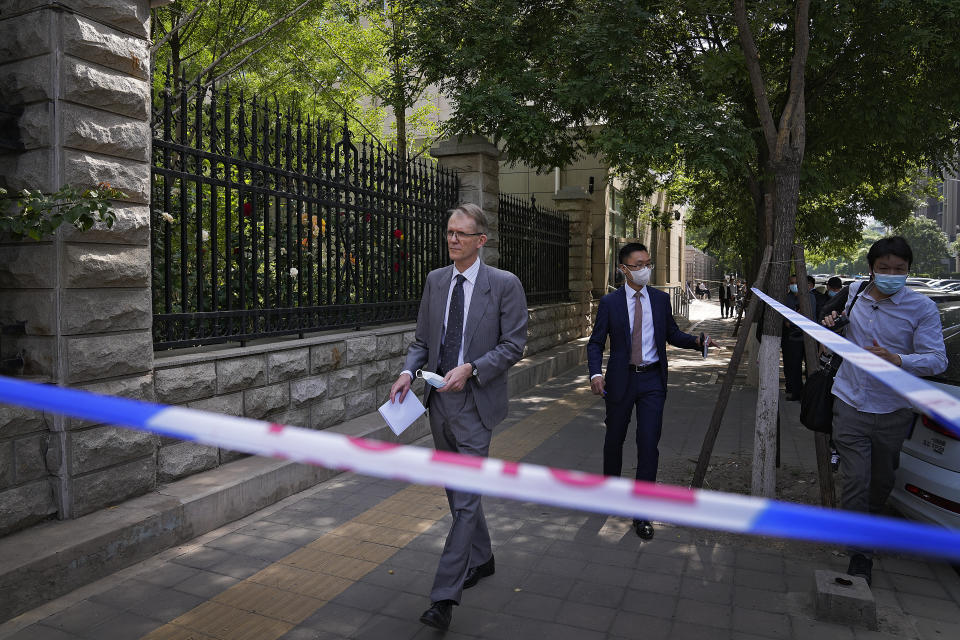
[
  {"x": 835, "y": 283},
  {"x": 892, "y": 246},
  {"x": 810, "y": 280},
  {"x": 629, "y": 248}
]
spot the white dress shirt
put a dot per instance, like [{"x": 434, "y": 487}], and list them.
[{"x": 470, "y": 280}]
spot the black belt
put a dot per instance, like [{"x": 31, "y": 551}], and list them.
[{"x": 643, "y": 368}]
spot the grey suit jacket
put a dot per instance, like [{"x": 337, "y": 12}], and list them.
[{"x": 493, "y": 340}]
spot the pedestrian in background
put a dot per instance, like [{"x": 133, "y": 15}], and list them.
[{"x": 870, "y": 422}]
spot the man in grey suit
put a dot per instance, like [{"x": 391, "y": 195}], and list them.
[{"x": 471, "y": 328}]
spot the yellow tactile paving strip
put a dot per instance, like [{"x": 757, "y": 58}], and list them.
[{"x": 274, "y": 600}]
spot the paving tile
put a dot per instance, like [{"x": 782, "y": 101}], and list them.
[
  {"x": 239, "y": 566},
  {"x": 661, "y": 564},
  {"x": 866, "y": 634},
  {"x": 128, "y": 593},
  {"x": 368, "y": 597},
  {"x": 634, "y": 625},
  {"x": 918, "y": 586},
  {"x": 305, "y": 633},
  {"x": 483, "y": 598},
  {"x": 762, "y": 599},
  {"x": 545, "y": 584},
  {"x": 761, "y": 623},
  {"x": 81, "y": 617},
  {"x": 206, "y": 584},
  {"x": 42, "y": 632},
  {"x": 705, "y": 591},
  {"x": 270, "y": 550},
  {"x": 168, "y": 575},
  {"x": 651, "y": 604},
  {"x": 165, "y": 605},
  {"x": 126, "y": 626},
  {"x": 808, "y": 629},
  {"x": 586, "y": 616},
  {"x": 688, "y": 631},
  {"x": 759, "y": 561},
  {"x": 267, "y": 601},
  {"x": 906, "y": 567},
  {"x": 337, "y": 619},
  {"x": 233, "y": 542},
  {"x": 703, "y": 613},
  {"x": 380, "y": 627},
  {"x": 656, "y": 582},
  {"x": 933, "y": 608},
  {"x": 760, "y": 579},
  {"x": 533, "y": 605},
  {"x": 603, "y": 595},
  {"x": 936, "y": 629},
  {"x": 203, "y": 558},
  {"x": 560, "y": 567}
]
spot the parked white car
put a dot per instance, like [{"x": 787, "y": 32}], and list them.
[{"x": 928, "y": 480}]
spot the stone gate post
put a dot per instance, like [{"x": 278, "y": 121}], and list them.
[
  {"x": 576, "y": 203},
  {"x": 75, "y": 95},
  {"x": 476, "y": 161}
]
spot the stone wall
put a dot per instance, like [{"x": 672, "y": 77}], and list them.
[
  {"x": 312, "y": 383},
  {"x": 74, "y": 86}
]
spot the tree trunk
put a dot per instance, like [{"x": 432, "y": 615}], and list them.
[{"x": 764, "y": 477}]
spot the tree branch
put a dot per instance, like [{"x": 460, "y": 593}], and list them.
[
  {"x": 187, "y": 18},
  {"x": 794, "y": 113},
  {"x": 250, "y": 39},
  {"x": 752, "y": 57}
]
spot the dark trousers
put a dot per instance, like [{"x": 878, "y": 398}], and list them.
[
  {"x": 793, "y": 365},
  {"x": 646, "y": 394},
  {"x": 724, "y": 307}
]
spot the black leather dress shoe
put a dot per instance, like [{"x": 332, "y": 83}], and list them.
[
  {"x": 644, "y": 529},
  {"x": 474, "y": 574},
  {"x": 438, "y": 615}
]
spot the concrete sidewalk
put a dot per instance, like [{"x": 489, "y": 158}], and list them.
[{"x": 354, "y": 557}]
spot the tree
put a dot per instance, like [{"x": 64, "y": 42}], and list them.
[
  {"x": 786, "y": 117},
  {"x": 929, "y": 245}
]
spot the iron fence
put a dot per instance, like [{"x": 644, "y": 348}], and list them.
[
  {"x": 679, "y": 304},
  {"x": 535, "y": 245},
  {"x": 264, "y": 224}
]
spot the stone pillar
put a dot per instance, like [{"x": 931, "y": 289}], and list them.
[
  {"x": 476, "y": 161},
  {"x": 576, "y": 203},
  {"x": 75, "y": 85}
]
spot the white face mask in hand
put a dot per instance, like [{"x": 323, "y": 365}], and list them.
[{"x": 640, "y": 277}]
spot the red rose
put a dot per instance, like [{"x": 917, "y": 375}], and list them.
[
  {"x": 247, "y": 209},
  {"x": 396, "y": 266},
  {"x": 397, "y": 234},
  {"x": 366, "y": 218}
]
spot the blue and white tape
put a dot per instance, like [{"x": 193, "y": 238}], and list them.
[
  {"x": 924, "y": 397},
  {"x": 487, "y": 476}
]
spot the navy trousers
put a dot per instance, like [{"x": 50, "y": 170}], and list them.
[{"x": 645, "y": 393}]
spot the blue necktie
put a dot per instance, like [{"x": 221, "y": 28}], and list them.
[{"x": 453, "y": 336}]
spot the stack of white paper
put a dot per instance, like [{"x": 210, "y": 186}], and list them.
[{"x": 400, "y": 415}]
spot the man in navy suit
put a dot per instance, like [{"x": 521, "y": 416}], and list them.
[{"x": 639, "y": 322}]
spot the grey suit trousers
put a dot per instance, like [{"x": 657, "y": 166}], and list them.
[{"x": 456, "y": 426}]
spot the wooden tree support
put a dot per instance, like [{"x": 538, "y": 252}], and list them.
[{"x": 710, "y": 438}]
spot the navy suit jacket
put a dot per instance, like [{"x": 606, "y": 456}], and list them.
[{"x": 614, "y": 321}]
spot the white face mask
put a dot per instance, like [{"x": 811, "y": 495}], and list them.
[{"x": 640, "y": 277}]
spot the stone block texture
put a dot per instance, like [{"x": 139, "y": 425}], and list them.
[{"x": 76, "y": 74}]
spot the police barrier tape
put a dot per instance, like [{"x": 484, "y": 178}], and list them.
[
  {"x": 488, "y": 476},
  {"x": 924, "y": 397}
]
